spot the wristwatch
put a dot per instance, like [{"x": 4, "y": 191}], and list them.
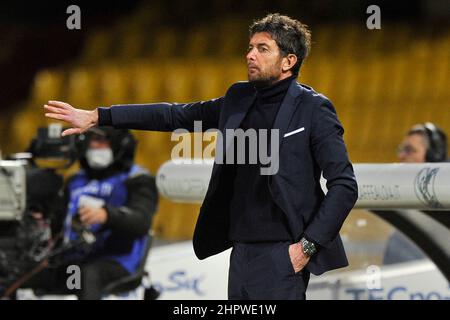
[{"x": 308, "y": 247}]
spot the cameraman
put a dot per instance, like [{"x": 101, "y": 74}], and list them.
[{"x": 113, "y": 200}]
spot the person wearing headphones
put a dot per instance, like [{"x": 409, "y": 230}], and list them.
[
  {"x": 110, "y": 205},
  {"x": 423, "y": 143}
]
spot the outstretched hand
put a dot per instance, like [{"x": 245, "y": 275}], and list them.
[{"x": 80, "y": 120}]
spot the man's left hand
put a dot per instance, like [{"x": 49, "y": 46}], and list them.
[
  {"x": 298, "y": 259},
  {"x": 90, "y": 216}
]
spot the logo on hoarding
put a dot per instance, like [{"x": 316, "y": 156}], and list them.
[
  {"x": 395, "y": 293},
  {"x": 424, "y": 187},
  {"x": 179, "y": 280}
]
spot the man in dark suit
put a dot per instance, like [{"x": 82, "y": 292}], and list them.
[{"x": 281, "y": 225}]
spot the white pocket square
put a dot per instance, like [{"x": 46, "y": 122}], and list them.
[{"x": 294, "y": 132}]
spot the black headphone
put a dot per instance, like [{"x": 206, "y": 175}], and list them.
[
  {"x": 437, "y": 141},
  {"x": 128, "y": 144}
]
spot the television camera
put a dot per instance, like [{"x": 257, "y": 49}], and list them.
[{"x": 31, "y": 202}]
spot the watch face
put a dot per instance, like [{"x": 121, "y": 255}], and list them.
[{"x": 308, "y": 247}]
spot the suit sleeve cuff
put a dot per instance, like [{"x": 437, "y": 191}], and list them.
[{"x": 104, "y": 116}]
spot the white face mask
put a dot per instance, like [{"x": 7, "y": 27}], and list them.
[{"x": 99, "y": 158}]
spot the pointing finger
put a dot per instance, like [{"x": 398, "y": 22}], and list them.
[
  {"x": 59, "y": 104},
  {"x": 55, "y": 109}
]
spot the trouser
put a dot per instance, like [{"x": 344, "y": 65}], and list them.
[
  {"x": 263, "y": 271},
  {"x": 95, "y": 276}
]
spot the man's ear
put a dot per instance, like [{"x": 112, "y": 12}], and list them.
[{"x": 288, "y": 62}]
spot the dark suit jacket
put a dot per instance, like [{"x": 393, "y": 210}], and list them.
[{"x": 303, "y": 156}]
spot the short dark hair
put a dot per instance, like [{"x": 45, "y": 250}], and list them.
[
  {"x": 291, "y": 36},
  {"x": 435, "y": 139}
]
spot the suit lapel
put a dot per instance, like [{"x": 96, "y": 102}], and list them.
[
  {"x": 244, "y": 105},
  {"x": 284, "y": 115},
  {"x": 287, "y": 109},
  {"x": 234, "y": 121},
  {"x": 282, "y": 120}
]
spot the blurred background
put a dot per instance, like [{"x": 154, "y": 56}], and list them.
[{"x": 380, "y": 81}]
